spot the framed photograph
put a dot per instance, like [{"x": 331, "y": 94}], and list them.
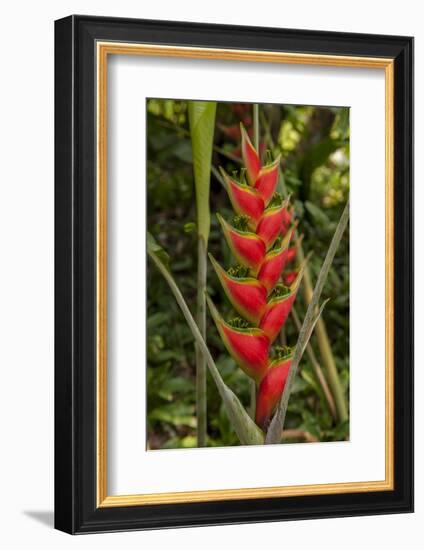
[{"x": 234, "y": 274}]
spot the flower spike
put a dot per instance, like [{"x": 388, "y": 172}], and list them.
[
  {"x": 250, "y": 157},
  {"x": 248, "y": 248},
  {"x": 259, "y": 238},
  {"x": 245, "y": 200},
  {"x": 248, "y": 347},
  {"x": 247, "y": 295}
]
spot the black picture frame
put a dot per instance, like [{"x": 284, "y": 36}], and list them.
[{"x": 76, "y": 510}]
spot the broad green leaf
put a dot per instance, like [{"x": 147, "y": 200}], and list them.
[
  {"x": 201, "y": 115},
  {"x": 246, "y": 430}
]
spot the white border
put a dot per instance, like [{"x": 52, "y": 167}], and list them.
[{"x": 131, "y": 469}]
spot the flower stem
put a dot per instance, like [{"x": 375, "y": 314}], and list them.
[
  {"x": 201, "y": 398},
  {"x": 256, "y": 145},
  {"x": 256, "y": 126},
  {"x": 325, "y": 350},
  {"x": 317, "y": 368}
]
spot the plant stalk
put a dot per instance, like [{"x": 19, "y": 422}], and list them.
[
  {"x": 256, "y": 126},
  {"x": 202, "y": 125},
  {"x": 317, "y": 368},
  {"x": 201, "y": 397},
  {"x": 325, "y": 350}
]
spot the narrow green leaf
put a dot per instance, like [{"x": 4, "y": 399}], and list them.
[
  {"x": 202, "y": 124},
  {"x": 155, "y": 248},
  {"x": 246, "y": 430}
]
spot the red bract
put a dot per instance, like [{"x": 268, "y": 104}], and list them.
[
  {"x": 249, "y": 347},
  {"x": 269, "y": 227},
  {"x": 270, "y": 390},
  {"x": 287, "y": 219},
  {"x": 245, "y": 200},
  {"x": 278, "y": 309},
  {"x": 289, "y": 277},
  {"x": 272, "y": 267},
  {"x": 291, "y": 254},
  {"x": 276, "y": 314},
  {"x": 250, "y": 157},
  {"x": 274, "y": 264},
  {"x": 260, "y": 243},
  {"x": 267, "y": 180},
  {"x": 247, "y": 295},
  {"x": 248, "y": 248}
]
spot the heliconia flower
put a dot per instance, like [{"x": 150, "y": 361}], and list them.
[
  {"x": 289, "y": 277},
  {"x": 232, "y": 132},
  {"x": 292, "y": 251},
  {"x": 267, "y": 180},
  {"x": 278, "y": 309},
  {"x": 291, "y": 254},
  {"x": 287, "y": 219},
  {"x": 274, "y": 264},
  {"x": 245, "y": 200},
  {"x": 247, "y": 295},
  {"x": 249, "y": 347},
  {"x": 250, "y": 157},
  {"x": 270, "y": 390},
  {"x": 269, "y": 228},
  {"x": 248, "y": 248}
]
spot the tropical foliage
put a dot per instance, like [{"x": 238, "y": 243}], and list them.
[{"x": 311, "y": 146}]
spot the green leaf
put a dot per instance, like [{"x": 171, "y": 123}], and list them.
[
  {"x": 201, "y": 115},
  {"x": 190, "y": 227},
  {"x": 154, "y": 248},
  {"x": 246, "y": 430},
  {"x": 320, "y": 217}
]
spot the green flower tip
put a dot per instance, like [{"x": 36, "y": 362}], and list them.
[
  {"x": 283, "y": 352},
  {"x": 241, "y": 223},
  {"x": 238, "y": 322},
  {"x": 276, "y": 200},
  {"x": 280, "y": 291},
  {"x": 238, "y": 271}
]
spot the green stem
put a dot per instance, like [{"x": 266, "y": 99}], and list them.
[
  {"x": 201, "y": 398},
  {"x": 317, "y": 368},
  {"x": 256, "y": 127},
  {"x": 312, "y": 316}
]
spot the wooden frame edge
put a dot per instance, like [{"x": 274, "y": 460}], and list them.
[{"x": 103, "y": 49}]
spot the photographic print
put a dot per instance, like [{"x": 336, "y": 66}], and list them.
[{"x": 244, "y": 203}]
